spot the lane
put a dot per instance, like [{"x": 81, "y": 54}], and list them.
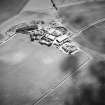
[
  {"x": 64, "y": 93},
  {"x": 80, "y": 16},
  {"x": 29, "y": 70}
]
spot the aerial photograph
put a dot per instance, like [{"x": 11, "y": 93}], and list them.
[{"x": 52, "y": 52}]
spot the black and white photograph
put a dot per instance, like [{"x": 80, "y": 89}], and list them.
[{"x": 52, "y": 52}]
